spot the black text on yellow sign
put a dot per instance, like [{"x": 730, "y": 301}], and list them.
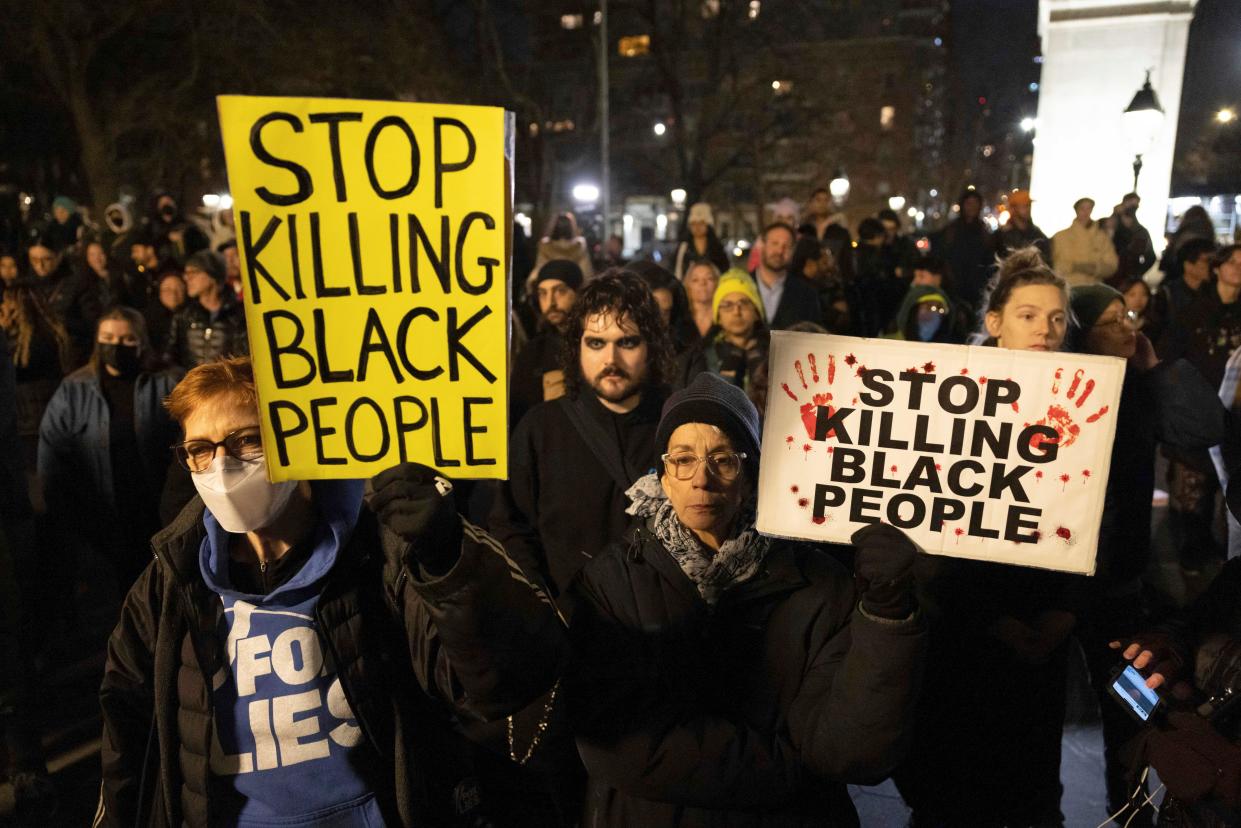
[{"x": 374, "y": 245}]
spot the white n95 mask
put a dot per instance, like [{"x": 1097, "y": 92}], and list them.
[{"x": 238, "y": 495}]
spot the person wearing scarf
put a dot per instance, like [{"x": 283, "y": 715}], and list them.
[{"x": 722, "y": 677}]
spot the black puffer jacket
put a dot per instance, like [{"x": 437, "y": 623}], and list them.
[
  {"x": 754, "y": 712},
  {"x": 195, "y": 337},
  {"x": 480, "y": 641}
]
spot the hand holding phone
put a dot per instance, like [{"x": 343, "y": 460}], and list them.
[
  {"x": 1129, "y": 687},
  {"x": 1156, "y": 653}
]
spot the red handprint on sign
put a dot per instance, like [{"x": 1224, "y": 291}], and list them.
[
  {"x": 809, "y": 410},
  {"x": 1061, "y": 417}
]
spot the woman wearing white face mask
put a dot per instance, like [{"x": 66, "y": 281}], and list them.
[
  {"x": 278, "y": 649},
  {"x": 103, "y": 446}
]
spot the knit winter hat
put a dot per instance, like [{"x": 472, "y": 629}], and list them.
[
  {"x": 209, "y": 262},
  {"x": 735, "y": 280},
  {"x": 713, "y": 400},
  {"x": 65, "y": 202},
  {"x": 562, "y": 270},
  {"x": 1089, "y": 301}
]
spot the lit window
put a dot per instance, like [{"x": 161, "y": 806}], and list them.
[
  {"x": 887, "y": 116},
  {"x": 710, "y": 9},
  {"x": 597, "y": 18},
  {"x": 756, "y": 6},
  {"x": 782, "y": 87},
  {"x": 570, "y": 21},
  {"x": 634, "y": 45}
]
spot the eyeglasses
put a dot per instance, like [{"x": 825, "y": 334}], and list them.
[
  {"x": 722, "y": 465},
  {"x": 1126, "y": 318},
  {"x": 729, "y": 307},
  {"x": 196, "y": 455}
]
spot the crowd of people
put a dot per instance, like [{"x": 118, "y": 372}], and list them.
[{"x": 605, "y": 638}]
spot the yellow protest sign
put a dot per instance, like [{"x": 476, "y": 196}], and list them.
[{"x": 374, "y": 242}]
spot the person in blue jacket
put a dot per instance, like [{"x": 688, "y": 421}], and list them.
[{"x": 105, "y": 446}]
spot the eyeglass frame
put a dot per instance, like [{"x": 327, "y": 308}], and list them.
[
  {"x": 740, "y": 455},
  {"x": 179, "y": 451},
  {"x": 1129, "y": 317}
]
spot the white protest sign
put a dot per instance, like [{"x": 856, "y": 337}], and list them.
[{"x": 974, "y": 452}]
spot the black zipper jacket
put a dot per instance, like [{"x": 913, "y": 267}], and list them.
[{"x": 412, "y": 654}]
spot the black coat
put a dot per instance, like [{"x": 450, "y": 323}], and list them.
[
  {"x": 480, "y": 638},
  {"x": 1171, "y": 404},
  {"x": 195, "y": 337},
  {"x": 755, "y": 712},
  {"x": 560, "y": 504},
  {"x": 798, "y": 303},
  {"x": 539, "y": 356}
]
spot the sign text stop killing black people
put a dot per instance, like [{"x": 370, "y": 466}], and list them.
[
  {"x": 374, "y": 245},
  {"x": 974, "y": 452}
]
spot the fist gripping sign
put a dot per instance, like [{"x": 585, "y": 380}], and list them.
[{"x": 974, "y": 452}]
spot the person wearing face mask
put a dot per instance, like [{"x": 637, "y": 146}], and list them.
[
  {"x": 303, "y": 653},
  {"x": 104, "y": 446},
  {"x": 926, "y": 315},
  {"x": 174, "y": 236}
]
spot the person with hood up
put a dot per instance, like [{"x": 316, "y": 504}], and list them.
[
  {"x": 65, "y": 228},
  {"x": 296, "y": 651},
  {"x": 563, "y": 241},
  {"x": 104, "y": 446},
  {"x": 175, "y": 236},
  {"x": 722, "y": 677},
  {"x": 1160, "y": 402},
  {"x": 925, "y": 315}
]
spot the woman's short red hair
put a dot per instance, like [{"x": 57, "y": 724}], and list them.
[{"x": 233, "y": 377}]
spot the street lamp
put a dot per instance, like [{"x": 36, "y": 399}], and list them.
[
  {"x": 1142, "y": 120},
  {"x": 839, "y": 185},
  {"x": 1028, "y": 124},
  {"x": 896, "y": 202},
  {"x": 585, "y": 193},
  {"x": 659, "y": 128},
  {"x": 1226, "y": 115},
  {"x": 678, "y": 197}
]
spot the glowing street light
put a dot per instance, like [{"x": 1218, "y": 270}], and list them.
[
  {"x": 1226, "y": 115},
  {"x": 896, "y": 202},
  {"x": 839, "y": 185},
  {"x": 585, "y": 193},
  {"x": 678, "y": 197},
  {"x": 1028, "y": 124},
  {"x": 660, "y": 128}
]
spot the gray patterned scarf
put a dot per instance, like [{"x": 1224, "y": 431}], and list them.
[{"x": 737, "y": 560}]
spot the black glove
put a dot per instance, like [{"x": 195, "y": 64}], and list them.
[
  {"x": 884, "y": 569},
  {"x": 407, "y": 500}
]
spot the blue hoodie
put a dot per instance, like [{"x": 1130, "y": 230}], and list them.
[{"x": 284, "y": 734}]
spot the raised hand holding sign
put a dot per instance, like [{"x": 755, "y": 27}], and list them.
[{"x": 941, "y": 442}]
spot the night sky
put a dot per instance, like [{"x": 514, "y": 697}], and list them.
[{"x": 994, "y": 41}]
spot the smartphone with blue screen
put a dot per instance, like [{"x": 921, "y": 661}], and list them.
[{"x": 1129, "y": 688}]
